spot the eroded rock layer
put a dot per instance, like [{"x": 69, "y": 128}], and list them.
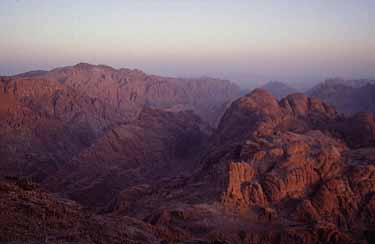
[
  {"x": 275, "y": 172},
  {"x": 133, "y": 150}
]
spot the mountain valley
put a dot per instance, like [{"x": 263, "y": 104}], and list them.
[{"x": 93, "y": 154}]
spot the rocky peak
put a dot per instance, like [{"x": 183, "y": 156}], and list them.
[
  {"x": 278, "y": 89},
  {"x": 347, "y": 96},
  {"x": 301, "y": 105},
  {"x": 129, "y": 90},
  {"x": 278, "y": 167},
  {"x": 259, "y": 113},
  {"x": 289, "y": 171}
]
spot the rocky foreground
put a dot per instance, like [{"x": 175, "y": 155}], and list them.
[
  {"x": 78, "y": 167},
  {"x": 275, "y": 172}
]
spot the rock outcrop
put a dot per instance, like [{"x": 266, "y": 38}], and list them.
[
  {"x": 132, "y": 149},
  {"x": 275, "y": 172}
]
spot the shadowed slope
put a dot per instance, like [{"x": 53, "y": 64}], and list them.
[
  {"x": 45, "y": 122},
  {"x": 128, "y": 90},
  {"x": 276, "y": 172},
  {"x": 349, "y": 97}
]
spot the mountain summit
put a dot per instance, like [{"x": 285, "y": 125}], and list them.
[
  {"x": 93, "y": 154},
  {"x": 278, "y": 89}
]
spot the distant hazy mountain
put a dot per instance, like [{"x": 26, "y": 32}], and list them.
[
  {"x": 33, "y": 73},
  {"x": 278, "y": 89},
  {"x": 352, "y": 83},
  {"x": 78, "y": 105},
  {"x": 128, "y": 90},
  {"x": 303, "y": 86},
  {"x": 348, "y": 96}
]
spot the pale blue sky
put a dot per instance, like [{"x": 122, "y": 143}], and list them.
[{"x": 242, "y": 40}]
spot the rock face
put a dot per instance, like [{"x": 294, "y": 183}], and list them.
[
  {"x": 129, "y": 90},
  {"x": 147, "y": 170},
  {"x": 86, "y": 130},
  {"x": 286, "y": 170},
  {"x": 79, "y": 144},
  {"x": 31, "y": 215},
  {"x": 278, "y": 89},
  {"x": 45, "y": 122},
  {"x": 73, "y": 140},
  {"x": 156, "y": 145},
  {"x": 349, "y": 97},
  {"x": 359, "y": 130}
]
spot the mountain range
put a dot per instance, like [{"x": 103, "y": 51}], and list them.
[
  {"x": 93, "y": 154},
  {"x": 279, "y": 89},
  {"x": 348, "y": 96}
]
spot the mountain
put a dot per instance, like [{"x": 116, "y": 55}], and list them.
[
  {"x": 54, "y": 119},
  {"x": 274, "y": 172},
  {"x": 91, "y": 154},
  {"x": 45, "y": 122},
  {"x": 351, "y": 83},
  {"x": 83, "y": 146},
  {"x": 348, "y": 97},
  {"x": 129, "y": 90},
  {"x": 158, "y": 144},
  {"x": 278, "y": 89}
]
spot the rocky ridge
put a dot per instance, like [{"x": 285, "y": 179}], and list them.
[
  {"x": 274, "y": 171},
  {"x": 129, "y": 90},
  {"x": 349, "y": 97},
  {"x": 280, "y": 169},
  {"x": 36, "y": 112}
]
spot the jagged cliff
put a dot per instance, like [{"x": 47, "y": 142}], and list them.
[
  {"x": 348, "y": 96},
  {"x": 123, "y": 144},
  {"x": 129, "y": 90},
  {"x": 275, "y": 172},
  {"x": 47, "y": 123}
]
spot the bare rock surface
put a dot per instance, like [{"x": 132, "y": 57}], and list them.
[
  {"x": 129, "y": 160},
  {"x": 129, "y": 90},
  {"x": 348, "y": 96},
  {"x": 31, "y": 215},
  {"x": 275, "y": 172},
  {"x": 44, "y": 123},
  {"x": 158, "y": 144}
]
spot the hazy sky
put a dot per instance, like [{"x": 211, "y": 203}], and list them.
[{"x": 242, "y": 40}]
